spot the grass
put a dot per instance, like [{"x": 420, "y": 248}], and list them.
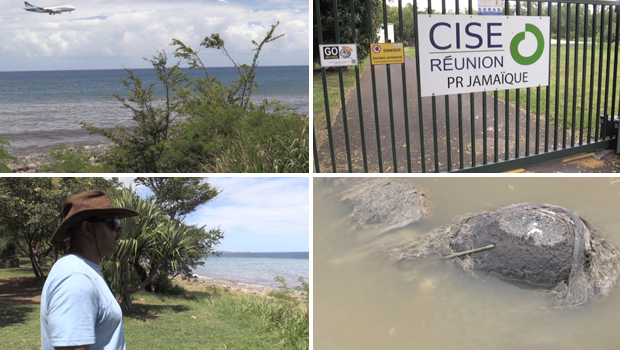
[
  {"x": 205, "y": 317},
  {"x": 25, "y": 270},
  {"x": 333, "y": 92}
]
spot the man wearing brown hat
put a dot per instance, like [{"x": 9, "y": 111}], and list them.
[{"x": 78, "y": 310}]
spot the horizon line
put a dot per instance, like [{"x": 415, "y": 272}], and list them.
[{"x": 124, "y": 68}]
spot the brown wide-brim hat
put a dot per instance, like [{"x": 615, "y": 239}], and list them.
[{"x": 84, "y": 206}]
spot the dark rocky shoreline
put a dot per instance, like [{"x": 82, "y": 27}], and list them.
[{"x": 33, "y": 163}]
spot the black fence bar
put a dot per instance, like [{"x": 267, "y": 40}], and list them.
[
  {"x": 615, "y": 97},
  {"x": 600, "y": 75},
  {"x": 592, "y": 65},
  {"x": 359, "y": 94},
  {"x": 575, "y": 68},
  {"x": 420, "y": 114},
  {"x": 557, "y": 77},
  {"x": 608, "y": 63},
  {"x": 548, "y": 89},
  {"x": 566, "y": 78},
  {"x": 317, "y": 7},
  {"x": 404, "y": 75},
  {"x": 317, "y": 166},
  {"x": 583, "y": 76}
]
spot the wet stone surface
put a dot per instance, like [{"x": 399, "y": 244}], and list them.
[
  {"x": 385, "y": 204},
  {"x": 537, "y": 246}
]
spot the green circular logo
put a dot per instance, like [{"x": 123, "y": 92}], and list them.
[{"x": 514, "y": 45}]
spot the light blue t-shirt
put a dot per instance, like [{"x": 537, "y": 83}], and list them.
[{"x": 78, "y": 308}]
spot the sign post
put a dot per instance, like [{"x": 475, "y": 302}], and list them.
[{"x": 460, "y": 54}]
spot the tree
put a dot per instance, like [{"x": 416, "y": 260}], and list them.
[
  {"x": 179, "y": 196},
  {"x": 142, "y": 148},
  {"x": 154, "y": 242},
  {"x": 364, "y": 36},
  {"x": 30, "y": 215},
  {"x": 408, "y": 12},
  {"x": 32, "y": 210},
  {"x": 245, "y": 79}
]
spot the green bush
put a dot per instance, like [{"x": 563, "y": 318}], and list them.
[
  {"x": 5, "y": 156},
  {"x": 203, "y": 125},
  {"x": 67, "y": 159},
  {"x": 230, "y": 139}
]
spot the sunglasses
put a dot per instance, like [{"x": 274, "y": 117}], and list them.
[{"x": 113, "y": 224}]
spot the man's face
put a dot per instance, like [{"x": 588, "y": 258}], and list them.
[{"x": 106, "y": 235}]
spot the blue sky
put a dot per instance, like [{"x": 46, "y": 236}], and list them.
[
  {"x": 257, "y": 214},
  {"x": 112, "y": 34}
]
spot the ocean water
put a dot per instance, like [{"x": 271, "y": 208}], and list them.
[
  {"x": 39, "y": 110},
  {"x": 258, "y": 268}
]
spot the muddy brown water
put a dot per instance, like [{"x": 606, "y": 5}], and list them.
[{"x": 359, "y": 302}]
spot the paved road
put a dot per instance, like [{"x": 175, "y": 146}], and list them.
[{"x": 441, "y": 153}]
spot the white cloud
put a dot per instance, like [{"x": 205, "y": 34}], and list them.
[
  {"x": 112, "y": 34},
  {"x": 258, "y": 206}
]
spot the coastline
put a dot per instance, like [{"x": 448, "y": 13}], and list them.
[
  {"x": 240, "y": 287},
  {"x": 33, "y": 162}
]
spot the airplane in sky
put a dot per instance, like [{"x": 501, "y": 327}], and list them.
[{"x": 50, "y": 10}]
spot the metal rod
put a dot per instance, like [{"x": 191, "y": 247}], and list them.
[
  {"x": 592, "y": 65},
  {"x": 528, "y": 94},
  {"x": 476, "y": 250},
  {"x": 325, "y": 95},
  {"x": 359, "y": 92},
  {"x": 374, "y": 97},
  {"x": 566, "y": 77},
  {"x": 583, "y": 76},
  {"x": 496, "y": 127},
  {"x": 600, "y": 75},
  {"x": 317, "y": 168},
  {"x": 615, "y": 75},
  {"x": 557, "y": 78},
  {"x": 417, "y": 68},
  {"x": 575, "y": 68},
  {"x": 605, "y": 110},
  {"x": 404, "y": 81},
  {"x": 548, "y": 89},
  {"x": 484, "y": 128}
]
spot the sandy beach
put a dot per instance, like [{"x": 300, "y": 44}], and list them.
[{"x": 245, "y": 288}]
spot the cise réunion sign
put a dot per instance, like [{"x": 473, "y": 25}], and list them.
[{"x": 460, "y": 54}]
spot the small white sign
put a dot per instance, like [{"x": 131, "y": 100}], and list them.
[
  {"x": 490, "y": 7},
  {"x": 460, "y": 54},
  {"x": 338, "y": 55}
]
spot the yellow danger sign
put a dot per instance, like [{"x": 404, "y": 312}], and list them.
[{"x": 388, "y": 53}]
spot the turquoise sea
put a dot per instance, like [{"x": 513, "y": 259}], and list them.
[
  {"x": 258, "y": 268},
  {"x": 40, "y": 109}
]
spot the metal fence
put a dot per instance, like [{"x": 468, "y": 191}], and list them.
[{"x": 385, "y": 125}]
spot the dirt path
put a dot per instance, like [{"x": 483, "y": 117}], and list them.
[
  {"x": 20, "y": 290},
  {"x": 486, "y": 123}
]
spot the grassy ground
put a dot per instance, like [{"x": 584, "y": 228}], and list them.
[
  {"x": 575, "y": 98},
  {"x": 205, "y": 317},
  {"x": 333, "y": 91}
]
